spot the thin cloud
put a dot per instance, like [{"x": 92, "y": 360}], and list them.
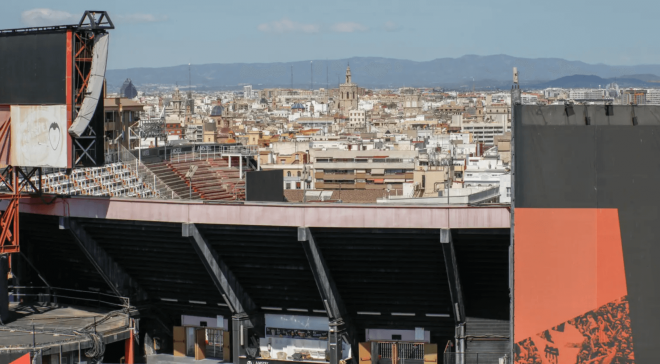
[
  {"x": 44, "y": 17},
  {"x": 349, "y": 27},
  {"x": 140, "y": 18},
  {"x": 391, "y": 26},
  {"x": 287, "y": 26}
]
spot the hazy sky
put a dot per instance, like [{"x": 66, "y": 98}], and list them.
[{"x": 154, "y": 33}]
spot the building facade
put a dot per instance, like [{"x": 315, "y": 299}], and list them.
[{"x": 362, "y": 169}]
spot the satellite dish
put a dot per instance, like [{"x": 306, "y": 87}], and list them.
[{"x": 389, "y": 187}]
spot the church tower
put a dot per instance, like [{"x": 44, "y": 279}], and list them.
[{"x": 348, "y": 94}]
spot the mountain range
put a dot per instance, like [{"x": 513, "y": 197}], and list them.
[{"x": 481, "y": 72}]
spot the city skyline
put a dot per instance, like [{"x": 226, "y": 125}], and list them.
[{"x": 205, "y": 32}]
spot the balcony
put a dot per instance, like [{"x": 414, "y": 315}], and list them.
[
  {"x": 357, "y": 165},
  {"x": 339, "y": 177},
  {"x": 335, "y": 186}
]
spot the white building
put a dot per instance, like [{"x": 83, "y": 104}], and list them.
[
  {"x": 482, "y": 131},
  {"x": 653, "y": 96},
  {"x": 552, "y": 92},
  {"x": 529, "y": 99},
  {"x": 586, "y": 94},
  {"x": 505, "y": 188},
  {"x": 357, "y": 118},
  {"x": 247, "y": 91},
  {"x": 483, "y": 172}
]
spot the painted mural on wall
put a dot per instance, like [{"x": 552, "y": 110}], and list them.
[
  {"x": 601, "y": 336},
  {"x": 38, "y": 136}
]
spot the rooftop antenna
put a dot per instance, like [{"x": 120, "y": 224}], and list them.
[
  {"x": 311, "y": 72},
  {"x": 292, "y": 77}
]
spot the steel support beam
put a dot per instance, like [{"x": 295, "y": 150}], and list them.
[
  {"x": 121, "y": 283},
  {"x": 330, "y": 296},
  {"x": 455, "y": 290},
  {"x": 235, "y": 296},
  {"x": 245, "y": 312}
]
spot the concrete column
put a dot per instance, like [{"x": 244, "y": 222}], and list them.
[
  {"x": 229, "y": 159},
  {"x": 4, "y": 288},
  {"x": 333, "y": 344},
  {"x": 460, "y": 344},
  {"x": 240, "y": 168},
  {"x": 239, "y": 337}
]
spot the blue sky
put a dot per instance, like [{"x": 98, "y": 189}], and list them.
[{"x": 155, "y": 33}]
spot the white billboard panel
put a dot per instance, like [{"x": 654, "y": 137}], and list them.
[{"x": 39, "y": 136}]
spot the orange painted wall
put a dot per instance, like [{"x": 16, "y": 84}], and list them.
[{"x": 567, "y": 262}]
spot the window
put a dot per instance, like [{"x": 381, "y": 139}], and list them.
[
  {"x": 298, "y": 173},
  {"x": 283, "y": 161},
  {"x": 288, "y": 186},
  {"x": 297, "y": 156},
  {"x": 288, "y": 173}
]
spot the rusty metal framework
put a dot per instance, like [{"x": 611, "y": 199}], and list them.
[
  {"x": 83, "y": 63},
  {"x": 17, "y": 183},
  {"x": 85, "y": 145}
]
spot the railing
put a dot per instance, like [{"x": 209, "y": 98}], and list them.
[
  {"x": 201, "y": 152},
  {"x": 145, "y": 175},
  {"x": 209, "y": 153},
  {"x": 49, "y": 294},
  {"x": 475, "y": 358}
]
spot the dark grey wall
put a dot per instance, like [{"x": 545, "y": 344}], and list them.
[
  {"x": 563, "y": 163},
  {"x": 264, "y": 186}
]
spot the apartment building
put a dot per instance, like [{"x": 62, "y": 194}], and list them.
[
  {"x": 637, "y": 97},
  {"x": 653, "y": 96},
  {"x": 121, "y": 120},
  {"x": 362, "y": 169},
  {"x": 294, "y": 167},
  {"x": 357, "y": 118},
  {"x": 484, "y": 132},
  {"x": 586, "y": 94}
]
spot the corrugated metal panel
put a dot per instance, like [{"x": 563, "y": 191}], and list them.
[
  {"x": 487, "y": 335},
  {"x": 38, "y": 136}
]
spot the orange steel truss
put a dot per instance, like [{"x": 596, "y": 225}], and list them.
[
  {"x": 18, "y": 184},
  {"x": 15, "y": 184}
]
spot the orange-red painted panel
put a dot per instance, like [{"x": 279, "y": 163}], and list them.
[
  {"x": 567, "y": 262},
  {"x": 69, "y": 94},
  {"x": 611, "y": 270},
  {"x": 25, "y": 359}
]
